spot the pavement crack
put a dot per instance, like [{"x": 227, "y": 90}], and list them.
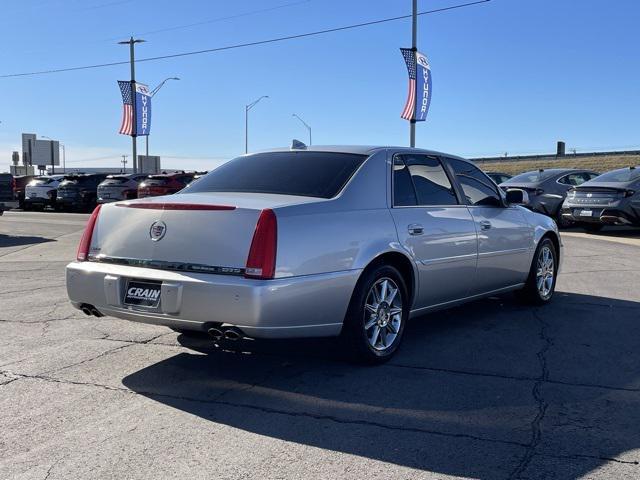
[
  {"x": 275, "y": 411},
  {"x": 536, "y": 392}
]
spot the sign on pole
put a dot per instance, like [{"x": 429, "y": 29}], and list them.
[
  {"x": 142, "y": 98},
  {"x": 418, "y": 101}
]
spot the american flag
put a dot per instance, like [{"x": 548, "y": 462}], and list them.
[
  {"x": 410, "y": 107},
  {"x": 126, "y": 128}
]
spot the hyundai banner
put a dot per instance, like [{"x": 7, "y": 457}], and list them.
[
  {"x": 142, "y": 98},
  {"x": 143, "y": 109},
  {"x": 419, "y": 96}
]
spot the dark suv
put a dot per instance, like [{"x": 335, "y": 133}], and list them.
[
  {"x": 6, "y": 191},
  {"x": 164, "y": 184},
  {"x": 547, "y": 189},
  {"x": 120, "y": 187},
  {"x": 79, "y": 192}
]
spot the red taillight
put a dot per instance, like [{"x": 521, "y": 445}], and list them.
[
  {"x": 13, "y": 184},
  {"x": 261, "y": 262},
  {"x": 85, "y": 241}
]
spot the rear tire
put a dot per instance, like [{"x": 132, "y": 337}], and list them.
[
  {"x": 541, "y": 283},
  {"x": 377, "y": 314}
]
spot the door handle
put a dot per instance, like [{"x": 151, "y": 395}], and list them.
[
  {"x": 485, "y": 225},
  {"x": 415, "y": 229}
]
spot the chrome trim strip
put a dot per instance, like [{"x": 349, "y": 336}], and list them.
[
  {"x": 171, "y": 266},
  {"x": 504, "y": 252},
  {"x": 438, "y": 261}
]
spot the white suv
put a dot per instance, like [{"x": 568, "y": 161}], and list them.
[{"x": 41, "y": 191}]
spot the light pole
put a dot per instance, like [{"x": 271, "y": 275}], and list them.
[
  {"x": 305, "y": 124},
  {"x": 246, "y": 121},
  {"x": 153, "y": 92},
  {"x": 64, "y": 153},
  {"x": 414, "y": 47},
  {"x": 131, "y": 42}
]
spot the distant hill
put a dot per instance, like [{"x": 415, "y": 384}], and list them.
[{"x": 599, "y": 162}]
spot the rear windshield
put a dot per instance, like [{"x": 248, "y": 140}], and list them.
[
  {"x": 41, "y": 181},
  {"x": 623, "y": 175},
  {"x": 531, "y": 177},
  {"x": 308, "y": 174},
  {"x": 153, "y": 180},
  {"x": 115, "y": 181}
]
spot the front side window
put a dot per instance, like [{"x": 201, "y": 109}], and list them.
[
  {"x": 421, "y": 180},
  {"x": 477, "y": 187}
]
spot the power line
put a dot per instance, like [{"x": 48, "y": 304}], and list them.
[{"x": 244, "y": 45}]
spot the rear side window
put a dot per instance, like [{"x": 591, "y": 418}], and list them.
[
  {"x": 308, "y": 174},
  {"x": 477, "y": 187},
  {"x": 576, "y": 179},
  {"x": 421, "y": 180}
]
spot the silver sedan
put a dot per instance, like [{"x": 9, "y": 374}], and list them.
[{"x": 322, "y": 241}]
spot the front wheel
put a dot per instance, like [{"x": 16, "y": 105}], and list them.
[
  {"x": 376, "y": 317},
  {"x": 541, "y": 283}
]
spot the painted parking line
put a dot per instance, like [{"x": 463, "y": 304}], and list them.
[{"x": 603, "y": 237}]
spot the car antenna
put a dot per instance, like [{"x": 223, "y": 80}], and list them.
[{"x": 297, "y": 145}]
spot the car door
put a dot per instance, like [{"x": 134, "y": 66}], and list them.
[
  {"x": 434, "y": 227},
  {"x": 504, "y": 235}
]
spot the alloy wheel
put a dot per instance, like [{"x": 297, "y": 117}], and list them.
[{"x": 383, "y": 314}]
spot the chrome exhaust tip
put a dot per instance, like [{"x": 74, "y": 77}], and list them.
[
  {"x": 232, "y": 334},
  {"x": 215, "y": 333}
]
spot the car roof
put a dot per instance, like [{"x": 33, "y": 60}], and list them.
[{"x": 358, "y": 149}]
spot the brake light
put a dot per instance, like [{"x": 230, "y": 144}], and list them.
[
  {"x": 261, "y": 262},
  {"x": 13, "y": 184},
  {"x": 85, "y": 241}
]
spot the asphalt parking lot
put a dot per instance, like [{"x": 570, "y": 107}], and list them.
[{"x": 489, "y": 390}]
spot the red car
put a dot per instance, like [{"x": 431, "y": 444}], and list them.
[{"x": 164, "y": 184}]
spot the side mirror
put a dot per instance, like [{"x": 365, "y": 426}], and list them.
[{"x": 517, "y": 196}]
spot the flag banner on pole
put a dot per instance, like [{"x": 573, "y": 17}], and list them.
[
  {"x": 142, "y": 96},
  {"x": 419, "y": 96},
  {"x": 126, "y": 127},
  {"x": 143, "y": 109}
]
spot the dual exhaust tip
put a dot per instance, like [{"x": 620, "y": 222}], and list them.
[
  {"x": 231, "y": 334},
  {"x": 90, "y": 310}
]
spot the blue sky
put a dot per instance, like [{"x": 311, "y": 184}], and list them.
[{"x": 508, "y": 76}]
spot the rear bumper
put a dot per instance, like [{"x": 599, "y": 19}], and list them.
[
  {"x": 38, "y": 201},
  {"x": 306, "y": 306},
  {"x": 605, "y": 216}
]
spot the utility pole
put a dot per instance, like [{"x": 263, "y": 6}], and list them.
[
  {"x": 414, "y": 47},
  {"x": 131, "y": 42},
  {"x": 124, "y": 163}
]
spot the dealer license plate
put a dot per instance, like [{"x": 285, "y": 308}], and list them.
[{"x": 142, "y": 293}]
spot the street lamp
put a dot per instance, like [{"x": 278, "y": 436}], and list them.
[
  {"x": 64, "y": 153},
  {"x": 305, "y": 124},
  {"x": 246, "y": 121},
  {"x": 153, "y": 92}
]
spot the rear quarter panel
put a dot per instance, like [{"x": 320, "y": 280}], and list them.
[{"x": 344, "y": 233}]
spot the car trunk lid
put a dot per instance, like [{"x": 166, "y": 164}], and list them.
[{"x": 202, "y": 232}]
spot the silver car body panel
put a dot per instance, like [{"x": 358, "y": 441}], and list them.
[{"x": 323, "y": 247}]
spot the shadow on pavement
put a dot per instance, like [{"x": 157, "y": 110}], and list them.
[
  {"x": 16, "y": 241},
  {"x": 491, "y": 389}
]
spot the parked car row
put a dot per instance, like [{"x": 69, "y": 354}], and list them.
[
  {"x": 580, "y": 197},
  {"x": 84, "y": 191}
]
